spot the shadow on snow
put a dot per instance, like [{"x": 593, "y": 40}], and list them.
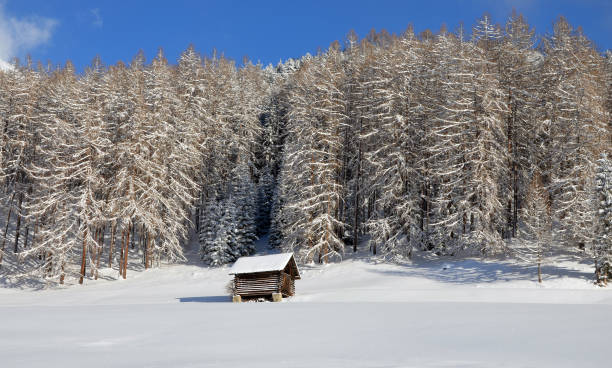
[{"x": 205, "y": 299}]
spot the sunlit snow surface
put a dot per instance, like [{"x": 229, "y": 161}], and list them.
[
  {"x": 431, "y": 313},
  {"x": 271, "y": 262}
]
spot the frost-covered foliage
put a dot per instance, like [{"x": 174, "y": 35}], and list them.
[
  {"x": 227, "y": 223},
  {"x": 535, "y": 225},
  {"x": 414, "y": 141},
  {"x": 430, "y": 142},
  {"x": 99, "y": 167},
  {"x": 602, "y": 244}
]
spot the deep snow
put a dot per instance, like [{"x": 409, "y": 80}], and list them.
[{"x": 359, "y": 313}]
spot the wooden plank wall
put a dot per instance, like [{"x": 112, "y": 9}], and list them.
[{"x": 257, "y": 284}]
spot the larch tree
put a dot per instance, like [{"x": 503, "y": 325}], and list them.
[{"x": 535, "y": 230}]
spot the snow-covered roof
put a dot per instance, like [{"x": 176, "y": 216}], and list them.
[{"x": 274, "y": 262}]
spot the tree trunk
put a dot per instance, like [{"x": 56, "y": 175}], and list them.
[
  {"x": 83, "y": 257},
  {"x": 132, "y": 236},
  {"x": 34, "y": 232},
  {"x": 540, "y": 271},
  {"x": 25, "y": 236},
  {"x": 111, "y": 246},
  {"x": 357, "y": 189},
  {"x": 92, "y": 271},
  {"x": 146, "y": 253},
  {"x": 125, "y": 252},
  {"x": 18, "y": 225},
  {"x": 99, "y": 253},
  {"x": 62, "y": 275},
  {"x": 516, "y": 199},
  {"x": 121, "y": 252},
  {"x": 8, "y": 218}
]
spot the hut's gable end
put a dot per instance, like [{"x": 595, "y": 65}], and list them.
[{"x": 292, "y": 269}]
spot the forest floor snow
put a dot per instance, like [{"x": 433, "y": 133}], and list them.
[{"x": 430, "y": 312}]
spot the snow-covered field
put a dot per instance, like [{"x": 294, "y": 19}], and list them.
[{"x": 359, "y": 313}]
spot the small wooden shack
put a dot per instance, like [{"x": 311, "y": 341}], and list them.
[{"x": 261, "y": 276}]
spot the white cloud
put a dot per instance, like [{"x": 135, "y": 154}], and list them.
[
  {"x": 97, "y": 18},
  {"x": 19, "y": 35}
]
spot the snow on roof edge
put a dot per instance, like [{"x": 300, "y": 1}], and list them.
[{"x": 273, "y": 262}]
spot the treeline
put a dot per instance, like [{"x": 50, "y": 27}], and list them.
[
  {"x": 121, "y": 158},
  {"x": 481, "y": 141},
  {"x": 432, "y": 142}
]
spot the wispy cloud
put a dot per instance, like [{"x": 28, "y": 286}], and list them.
[
  {"x": 19, "y": 35},
  {"x": 97, "y": 17}
]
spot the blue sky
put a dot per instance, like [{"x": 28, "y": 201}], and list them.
[{"x": 267, "y": 31}]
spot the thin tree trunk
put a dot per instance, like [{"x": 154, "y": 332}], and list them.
[
  {"x": 18, "y": 225},
  {"x": 121, "y": 250},
  {"x": 34, "y": 232},
  {"x": 125, "y": 253},
  {"x": 149, "y": 250},
  {"x": 540, "y": 269},
  {"x": 111, "y": 246},
  {"x": 8, "y": 218},
  {"x": 92, "y": 262},
  {"x": 62, "y": 275},
  {"x": 516, "y": 199},
  {"x": 83, "y": 257},
  {"x": 47, "y": 258},
  {"x": 25, "y": 236},
  {"x": 146, "y": 252},
  {"x": 357, "y": 190},
  {"x": 99, "y": 253}
]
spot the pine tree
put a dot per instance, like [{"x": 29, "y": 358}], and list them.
[
  {"x": 265, "y": 194},
  {"x": 215, "y": 236},
  {"x": 243, "y": 200}
]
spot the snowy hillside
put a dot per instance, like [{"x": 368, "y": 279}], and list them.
[{"x": 359, "y": 313}]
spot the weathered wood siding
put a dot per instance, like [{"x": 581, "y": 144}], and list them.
[
  {"x": 257, "y": 284},
  {"x": 287, "y": 285}
]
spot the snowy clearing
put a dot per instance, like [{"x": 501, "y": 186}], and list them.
[{"x": 432, "y": 313}]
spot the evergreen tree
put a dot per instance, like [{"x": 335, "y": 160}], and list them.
[
  {"x": 215, "y": 235},
  {"x": 602, "y": 244}
]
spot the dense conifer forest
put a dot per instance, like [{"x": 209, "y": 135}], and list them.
[{"x": 469, "y": 142}]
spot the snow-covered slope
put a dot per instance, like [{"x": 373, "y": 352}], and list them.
[{"x": 359, "y": 313}]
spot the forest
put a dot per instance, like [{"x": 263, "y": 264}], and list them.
[{"x": 479, "y": 141}]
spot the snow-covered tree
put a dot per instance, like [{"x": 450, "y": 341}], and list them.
[
  {"x": 218, "y": 221},
  {"x": 602, "y": 244},
  {"x": 535, "y": 225}
]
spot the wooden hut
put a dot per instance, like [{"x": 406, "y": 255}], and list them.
[{"x": 273, "y": 275}]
